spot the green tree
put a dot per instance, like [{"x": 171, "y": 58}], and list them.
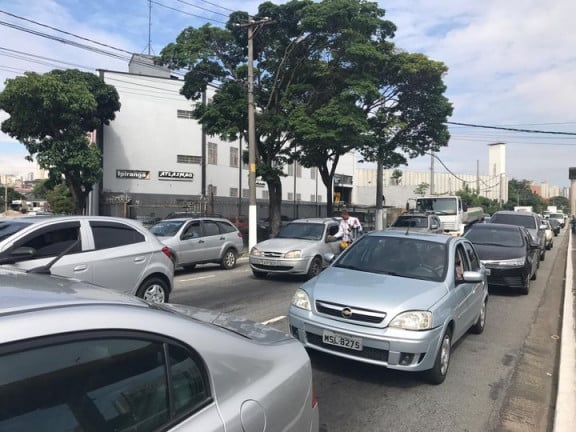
[
  {"x": 421, "y": 189},
  {"x": 11, "y": 194},
  {"x": 51, "y": 114},
  {"x": 60, "y": 200},
  {"x": 561, "y": 202},
  {"x": 521, "y": 194},
  {"x": 40, "y": 189},
  {"x": 327, "y": 80}
]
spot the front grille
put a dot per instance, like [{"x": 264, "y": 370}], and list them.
[
  {"x": 273, "y": 254},
  {"x": 506, "y": 281},
  {"x": 367, "y": 352},
  {"x": 356, "y": 314},
  {"x": 272, "y": 267}
]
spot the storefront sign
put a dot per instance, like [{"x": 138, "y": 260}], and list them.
[
  {"x": 175, "y": 175},
  {"x": 133, "y": 174}
]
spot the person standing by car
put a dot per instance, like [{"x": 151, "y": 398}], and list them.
[{"x": 349, "y": 229}]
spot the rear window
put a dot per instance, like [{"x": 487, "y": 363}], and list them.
[
  {"x": 412, "y": 222},
  {"x": 166, "y": 228},
  {"x": 527, "y": 221},
  {"x": 495, "y": 236},
  {"x": 7, "y": 228}
]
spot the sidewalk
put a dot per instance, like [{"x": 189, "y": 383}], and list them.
[{"x": 565, "y": 416}]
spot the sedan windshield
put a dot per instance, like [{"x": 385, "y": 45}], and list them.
[
  {"x": 398, "y": 256},
  {"x": 491, "y": 236},
  {"x": 305, "y": 231},
  {"x": 7, "y": 228},
  {"x": 166, "y": 228}
]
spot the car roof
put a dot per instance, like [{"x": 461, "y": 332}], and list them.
[
  {"x": 316, "y": 220},
  {"x": 512, "y": 212},
  {"x": 22, "y": 292},
  {"x": 186, "y": 219},
  {"x": 498, "y": 226},
  {"x": 419, "y": 235}
]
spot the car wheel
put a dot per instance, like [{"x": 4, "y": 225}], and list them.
[
  {"x": 478, "y": 327},
  {"x": 526, "y": 287},
  {"x": 259, "y": 274},
  {"x": 543, "y": 255},
  {"x": 229, "y": 259},
  {"x": 189, "y": 266},
  {"x": 534, "y": 275},
  {"x": 437, "y": 374},
  {"x": 154, "y": 290},
  {"x": 315, "y": 268}
]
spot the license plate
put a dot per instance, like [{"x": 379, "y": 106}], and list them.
[
  {"x": 336, "y": 339},
  {"x": 269, "y": 262}
]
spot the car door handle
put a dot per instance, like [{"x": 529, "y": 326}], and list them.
[
  {"x": 200, "y": 241},
  {"x": 222, "y": 238},
  {"x": 80, "y": 268},
  {"x": 139, "y": 259}
]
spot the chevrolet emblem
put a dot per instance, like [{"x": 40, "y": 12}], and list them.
[{"x": 346, "y": 312}]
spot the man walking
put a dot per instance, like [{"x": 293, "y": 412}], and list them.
[{"x": 349, "y": 229}]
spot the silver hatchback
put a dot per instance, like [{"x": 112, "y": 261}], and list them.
[
  {"x": 300, "y": 248},
  {"x": 75, "y": 357},
  {"x": 111, "y": 252},
  {"x": 200, "y": 241},
  {"x": 395, "y": 300}
]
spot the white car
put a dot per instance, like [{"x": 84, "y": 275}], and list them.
[
  {"x": 549, "y": 234},
  {"x": 111, "y": 252}
]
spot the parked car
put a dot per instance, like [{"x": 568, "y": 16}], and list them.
[
  {"x": 508, "y": 251},
  {"x": 559, "y": 217},
  {"x": 300, "y": 248},
  {"x": 531, "y": 221},
  {"x": 421, "y": 222},
  {"x": 189, "y": 214},
  {"x": 549, "y": 234},
  {"x": 111, "y": 252},
  {"x": 240, "y": 222},
  {"x": 396, "y": 300},
  {"x": 75, "y": 357},
  {"x": 264, "y": 229},
  {"x": 555, "y": 226},
  {"x": 200, "y": 240}
]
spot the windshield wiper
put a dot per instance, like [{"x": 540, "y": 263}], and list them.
[{"x": 45, "y": 269}]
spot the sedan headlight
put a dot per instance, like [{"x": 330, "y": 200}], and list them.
[
  {"x": 514, "y": 262},
  {"x": 255, "y": 252},
  {"x": 301, "y": 300},
  {"x": 293, "y": 254},
  {"x": 412, "y": 320}
]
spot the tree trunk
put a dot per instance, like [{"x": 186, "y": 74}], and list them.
[{"x": 275, "y": 200}]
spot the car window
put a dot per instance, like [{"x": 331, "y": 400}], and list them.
[
  {"x": 8, "y": 227},
  {"x": 305, "y": 231},
  {"x": 193, "y": 230},
  {"x": 486, "y": 235},
  {"x": 472, "y": 257},
  {"x": 461, "y": 263},
  {"x": 105, "y": 384},
  {"x": 211, "y": 228},
  {"x": 226, "y": 227},
  {"x": 112, "y": 234},
  {"x": 412, "y": 222},
  {"x": 527, "y": 221},
  {"x": 166, "y": 228},
  {"x": 53, "y": 240}
]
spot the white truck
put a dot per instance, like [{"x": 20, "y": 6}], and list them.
[
  {"x": 452, "y": 212},
  {"x": 552, "y": 209},
  {"x": 523, "y": 208}
]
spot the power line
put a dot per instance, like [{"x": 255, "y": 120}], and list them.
[
  {"x": 22, "y": 53},
  {"x": 217, "y": 5},
  {"x": 202, "y": 8},
  {"x": 187, "y": 13},
  {"x": 513, "y": 129}
]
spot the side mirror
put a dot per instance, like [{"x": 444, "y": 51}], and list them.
[
  {"x": 543, "y": 227},
  {"x": 329, "y": 257},
  {"x": 472, "y": 276}
]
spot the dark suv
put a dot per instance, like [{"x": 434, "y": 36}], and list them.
[{"x": 530, "y": 221}]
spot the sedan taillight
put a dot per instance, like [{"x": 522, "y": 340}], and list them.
[
  {"x": 240, "y": 234},
  {"x": 168, "y": 252}
]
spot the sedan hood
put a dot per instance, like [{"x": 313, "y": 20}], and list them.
[
  {"x": 249, "y": 329},
  {"x": 284, "y": 245},
  {"x": 375, "y": 291},
  {"x": 493, "y": 252}
]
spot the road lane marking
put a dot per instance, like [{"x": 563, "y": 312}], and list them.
[
  {"x": 196, "y": 278},
  {"x": 273, "y": 320}
]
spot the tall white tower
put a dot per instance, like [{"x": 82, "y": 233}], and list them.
[{"x": 497, "y": 169}]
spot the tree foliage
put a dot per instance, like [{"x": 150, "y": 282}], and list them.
[
  {"x": 11, "y": 194},
  {"x": 521, "y": 194},
  {"x": 60, "y": 200},
  {"x": 328, "y": 80},
  {"x": 51, "y": 114},
  {"x": 422, "y": 189}
]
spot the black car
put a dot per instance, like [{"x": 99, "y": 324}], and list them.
[
  {"x": 556, "y": 226},
  {"x": 531, "y": 221},
  {"x": 508, "y": 251}
]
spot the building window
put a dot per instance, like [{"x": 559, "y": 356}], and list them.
[
  {"x": 212, "y": 190},
  {"x": 298, "y": 170},
  {"x": 245, "y": 193},
  {"x": 313, "y": 173},
  {"x": 319, "y": 198},
  {"x": 212, "y": 153},
  {"x": 290, "y": 196},
  {"x": 265, "y": 194},
  {"x": 233, "y": 157},
  {"x": 313, "y": 198},
  {"x": 184, "y": 114},
  {"x": 298, "y": 197},
  {"x": 244, "y": 165},
  {"x": 189, "y": 159},
  {"x": 234, "y": 192}
]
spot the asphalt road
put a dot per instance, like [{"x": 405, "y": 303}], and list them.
[{"x": 503, "y": 379}]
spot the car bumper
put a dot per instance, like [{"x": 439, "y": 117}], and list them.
[
  {"x": 514, "y": 277},
  {"x": 404, "y": 350},
  {"x": 279, "y": 265}
]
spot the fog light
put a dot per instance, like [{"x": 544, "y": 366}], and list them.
[
  {"x": 294, "y": 332},
  {"x": 406, "y": 359}
]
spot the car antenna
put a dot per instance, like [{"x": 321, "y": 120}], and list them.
[
  {"x": 408, "y": 227},
  {"x": 45, "y": 269}
]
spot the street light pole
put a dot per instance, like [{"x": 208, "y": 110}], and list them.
[{"x": 379, "y": 225}]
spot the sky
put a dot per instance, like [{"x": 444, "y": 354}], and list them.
[{"x": 511, "y": 64}]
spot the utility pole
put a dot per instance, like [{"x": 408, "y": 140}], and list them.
[
  {"x": 379, "y": 195},
  {"x": 252, "y": 26},
  {"x": 431, "y": 172},
  {"x": 477, "y": 177}
]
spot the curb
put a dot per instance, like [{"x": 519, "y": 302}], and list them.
[{"x": 565, "y": 416}]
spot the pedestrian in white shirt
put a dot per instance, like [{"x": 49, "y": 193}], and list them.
[{"x": 349, "y": 229}]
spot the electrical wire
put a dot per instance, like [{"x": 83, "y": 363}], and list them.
[
  {"x": 202, "y": 8},
  {"x": 513, "y": 129},
  {"x": 217, "y": 5},
  {"x": 186, "y": 13}
]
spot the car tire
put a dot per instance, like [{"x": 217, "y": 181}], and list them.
[
  {"x": 189, "y": 267},
  {"x": 259, "y": 274},
  {"x": 534, "y": 275},
  {"x": 315, "y": 268},
  {"x": 543, "y": 255},
  {"x": 526, "y": 287},
  {"x": 438, "y": 373},
  {"x": 154, "y": 290},
  {"x": 229, "y": 259},
  {"x": 478, "y": 327}
]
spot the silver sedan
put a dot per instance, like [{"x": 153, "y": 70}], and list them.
[
  {"x": 396, "y": 300},
  {"x": 77, "y": 357}
]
